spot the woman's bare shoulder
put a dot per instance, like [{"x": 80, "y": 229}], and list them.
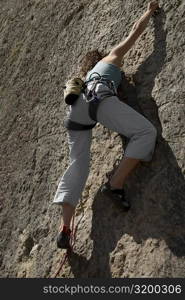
[{"x": 112, "y": 59}]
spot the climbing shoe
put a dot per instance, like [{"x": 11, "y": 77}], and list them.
[
  {"x": 63, "y": 239},
  {"x": 72, "y": 90},
  {"x": 116, "y": 195}
]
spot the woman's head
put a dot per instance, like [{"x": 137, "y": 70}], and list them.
[{"x": 89, "y": 61}]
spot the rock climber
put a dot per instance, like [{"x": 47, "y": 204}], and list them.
[{"x": 114, "y": 115}]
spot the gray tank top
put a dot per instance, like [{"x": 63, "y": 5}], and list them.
[{"x": 108, "y": 71}]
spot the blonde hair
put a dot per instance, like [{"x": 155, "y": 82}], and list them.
[{"x": 89, "y": 61}]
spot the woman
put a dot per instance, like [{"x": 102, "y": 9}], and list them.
[{"x": 114, "y": 115}]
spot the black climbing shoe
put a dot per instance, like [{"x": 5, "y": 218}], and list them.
[
  {"x": 116, "y": 195},
  {"x": 63, "y": 239}
]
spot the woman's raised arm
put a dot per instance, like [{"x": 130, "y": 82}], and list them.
[{"x": 117, "y": 53}]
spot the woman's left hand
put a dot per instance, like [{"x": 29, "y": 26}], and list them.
[{"x": 153, "y": 6}]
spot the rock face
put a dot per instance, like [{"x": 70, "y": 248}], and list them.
[{"x": 41, "y": 45}]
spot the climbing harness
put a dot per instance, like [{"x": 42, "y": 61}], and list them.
[
  {"x": 69, "y": 124},
  {"x": 76, "y": 86},
  {"x": 92, "y": 96}
]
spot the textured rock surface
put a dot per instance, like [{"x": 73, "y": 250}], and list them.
[{"x": 41, "y": 44}]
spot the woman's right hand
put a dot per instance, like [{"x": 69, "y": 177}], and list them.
[{"x": 153, "y": 6}]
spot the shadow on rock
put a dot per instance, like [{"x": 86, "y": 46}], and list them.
[{"x": 161, "y": 181}]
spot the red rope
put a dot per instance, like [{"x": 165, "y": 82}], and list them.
[{"x": 62, "y": 262}]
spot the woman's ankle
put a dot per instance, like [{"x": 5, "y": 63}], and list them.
[{"x": 64, "y": 228}]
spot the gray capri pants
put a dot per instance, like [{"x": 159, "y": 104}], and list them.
[{"x": 116, "y": 116}]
